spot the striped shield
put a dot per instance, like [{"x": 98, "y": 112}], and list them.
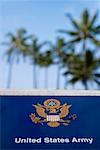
[{"x": 53, "y": 118}]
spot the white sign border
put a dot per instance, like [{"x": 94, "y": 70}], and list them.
[{"x": 41, "y": 92}]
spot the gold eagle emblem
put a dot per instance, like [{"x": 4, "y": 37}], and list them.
[{"x": 52, "y": 113}]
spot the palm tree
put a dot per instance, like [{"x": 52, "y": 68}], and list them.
[
  {"x": 90, "y": 73},
  {"x": 58, "y": 56},
  {"x": 17, "y": 46},
  {"x": 60, "y": 51},
  {"x": 33, "y": 53},
  {"x": 45, "y": 60},
  {"x": 85, "y": 29}
]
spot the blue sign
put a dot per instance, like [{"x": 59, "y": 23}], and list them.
[{"x": 50, "y": 122}]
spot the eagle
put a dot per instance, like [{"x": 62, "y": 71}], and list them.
[{"x": 41, "y": 110}]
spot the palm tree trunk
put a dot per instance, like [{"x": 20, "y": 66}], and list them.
[
  {"x": 9, "y": 74},
  {"x": 39, "y": 75},
  {"x": 58, "y": 77},
  {"x": 84, "y": 45},
  {"x": 85, "y": 85},
  {"x": 85, "y": 67},
  {"x": 34, "y": 77},
  {"x": 65, "y": 85},
  {"x": 46, "y": 78}
]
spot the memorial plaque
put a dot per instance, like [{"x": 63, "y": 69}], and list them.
[{"x": 40, "y": 119}]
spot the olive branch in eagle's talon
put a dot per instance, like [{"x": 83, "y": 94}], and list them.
[
  {"x": 36, "y": 119},
  {"x": 66, "y": 122}
]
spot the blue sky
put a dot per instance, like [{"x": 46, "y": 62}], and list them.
[{"x": 40, "y": 17}]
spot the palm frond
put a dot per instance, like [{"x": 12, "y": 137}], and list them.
[
  {"x": 97, "y": 81},
  {"x": 73, "y": 80},
  {"x": 85, "y": 17},
  {"x": 93, "y": 20},
  {"x": 97, "y": 75},
  {"x": 77, "y": 39},
  {"x": 96, "y": 30},
  {"x": 74, "y": 22},
  {"x": 69, "y": 32},
  {"x": 66, "y": 73}
]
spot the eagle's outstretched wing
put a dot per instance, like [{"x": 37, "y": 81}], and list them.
[
  {"x": 64, "y": 110},
  {"x": 40, "y": 111}
]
